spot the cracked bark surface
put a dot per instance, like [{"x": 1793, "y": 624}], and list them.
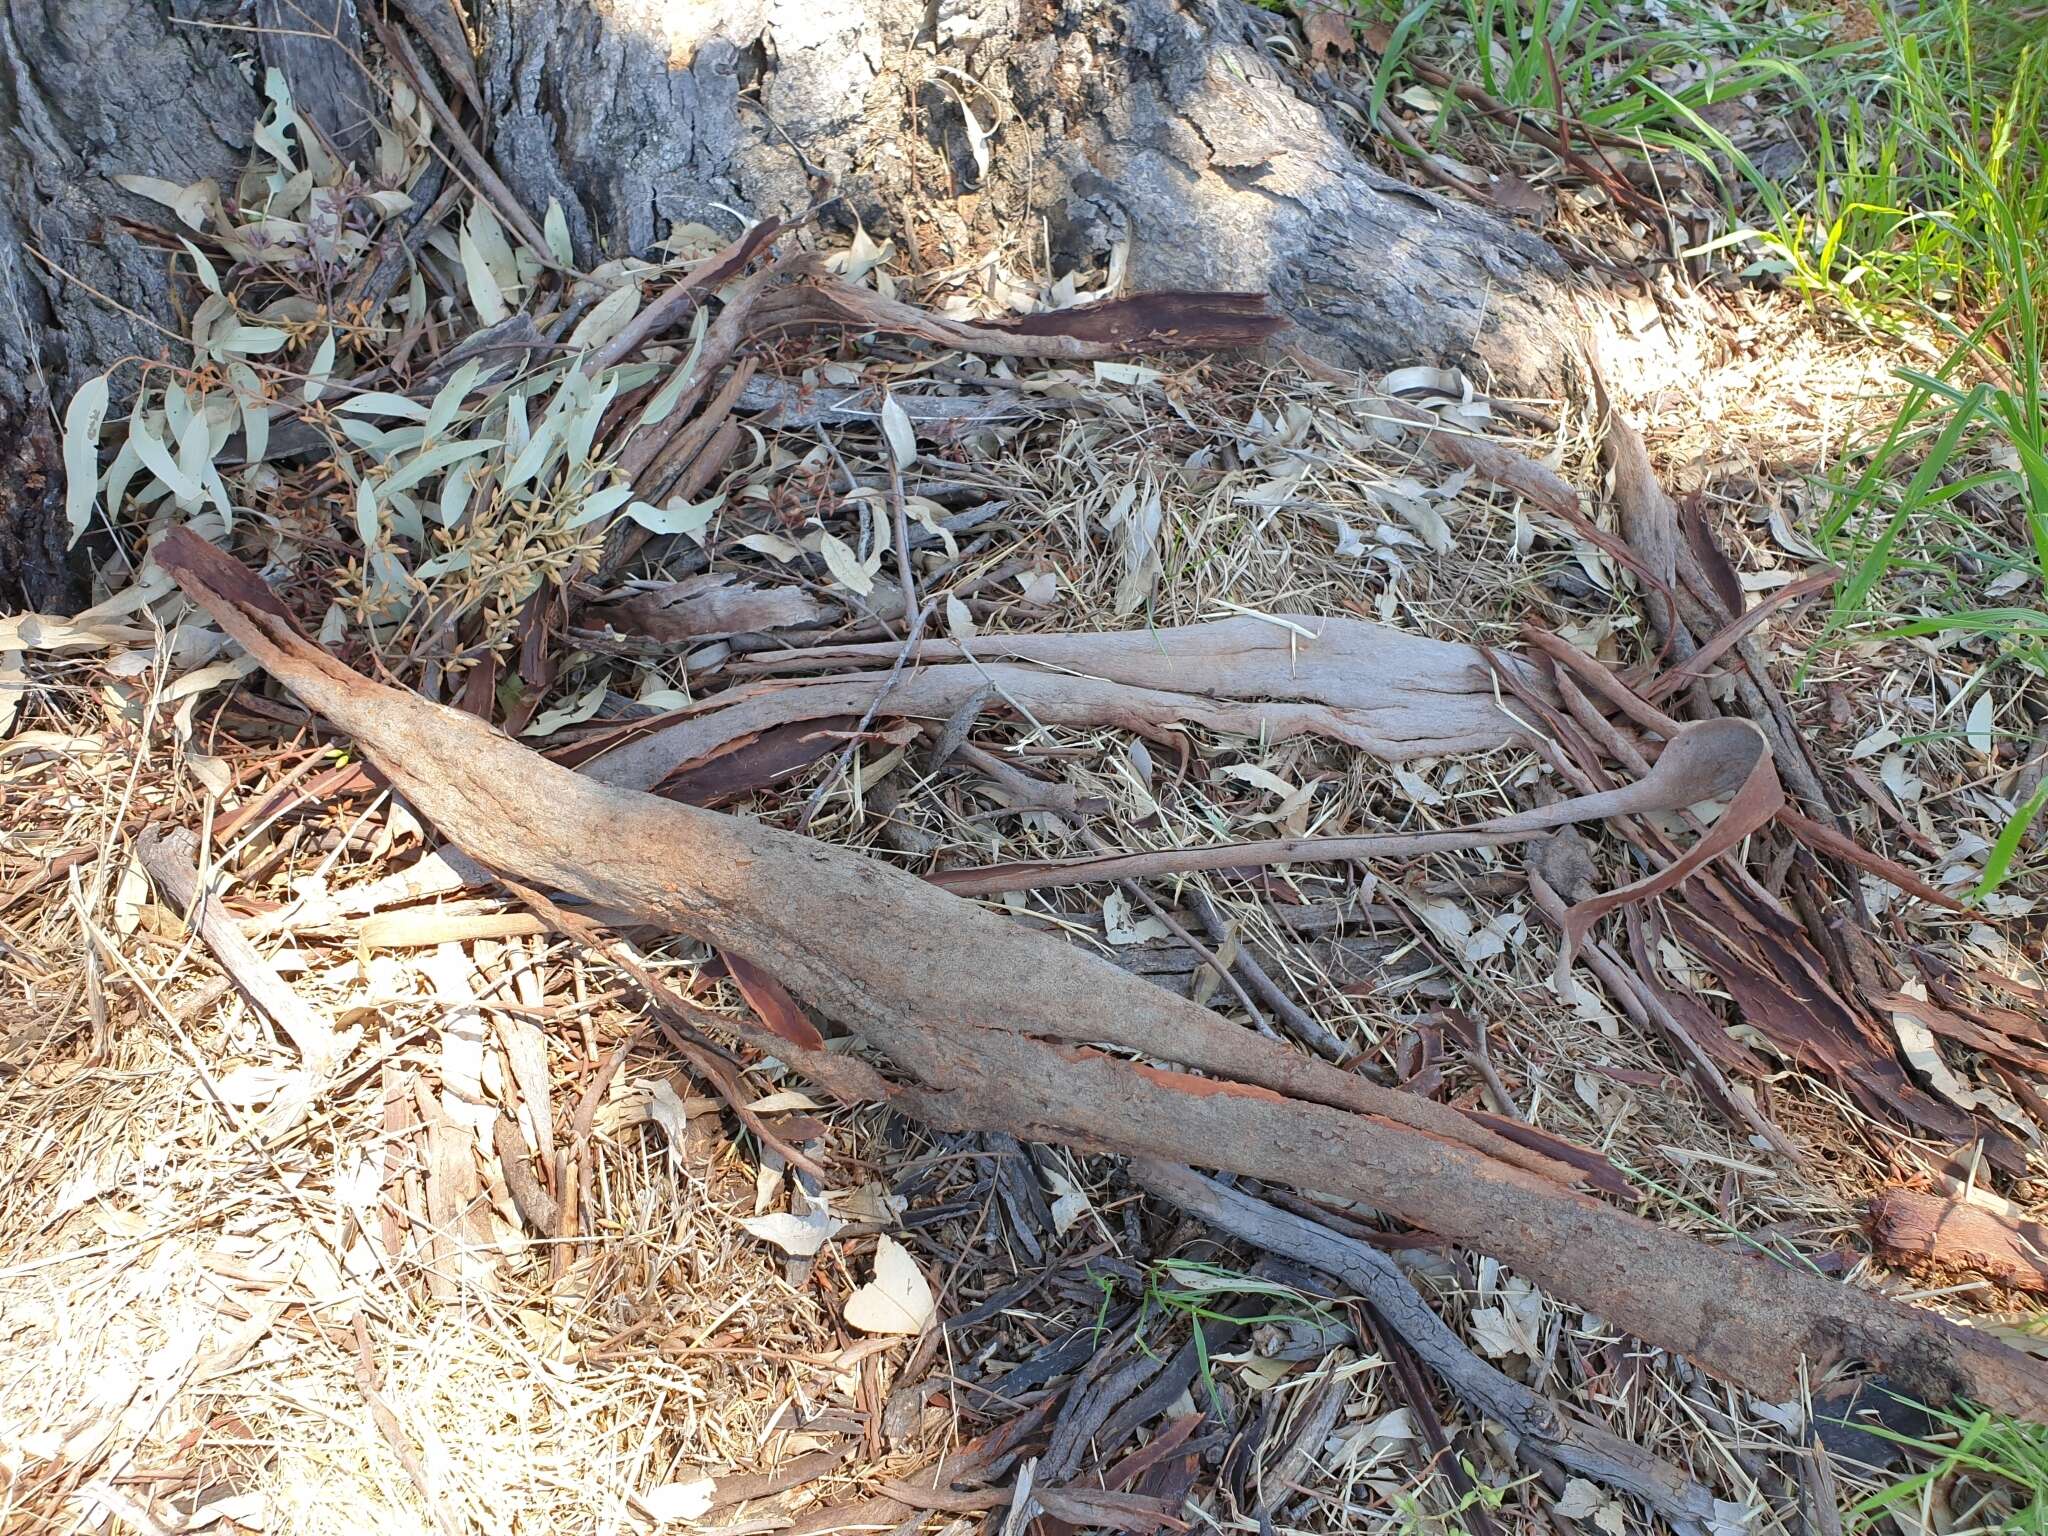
[
  {"x": 1147, "y": 137},
  {"x": 90, "y": 89}
]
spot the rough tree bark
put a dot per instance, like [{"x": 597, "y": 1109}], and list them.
[{"x": 1019, "y": 139}]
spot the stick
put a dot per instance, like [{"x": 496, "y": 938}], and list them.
[
  {"x": 1366, "y": 1272},
  {"x": 394, "y": 1436}
]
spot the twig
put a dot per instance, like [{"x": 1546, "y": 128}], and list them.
[
  {"x": 1310, "y": 1030},
  {"x": 904, "y": 568},
  {"x": 168, "y": 857},
  {"x": 394, "y": 1436},
  {"x": 400, "y": 49},
  {"x": 910, "y": 641}
]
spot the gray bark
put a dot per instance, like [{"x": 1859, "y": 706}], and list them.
[
  {"x": 1154, "y": 132},
  {"x": 90, "y": 89}
]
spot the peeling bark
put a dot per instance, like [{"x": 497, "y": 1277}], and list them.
[{"x": 1945, "y": 1237}]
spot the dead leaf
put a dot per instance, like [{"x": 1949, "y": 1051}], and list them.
[
  {"x": 678, "y": 1501},
  {"x": 1518, "y": 196},
  {"x": 899, "y": 1298},
  {"x": 1327, "y": 30},
  {"x": 772, "y": 1002},
  {"x": 798, "y": 1235}
]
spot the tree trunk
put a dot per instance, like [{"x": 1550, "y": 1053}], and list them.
[
  {"x": 1000, "y": 143},
  {"x": 90, "y": 89}
]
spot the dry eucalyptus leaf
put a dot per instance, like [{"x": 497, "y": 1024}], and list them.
[
  {"x": 1978, "y": 731},
  {"x": 1122, "y": 927},
  {"x": 669, "y": 1112},
  {"x": 679, "y": 1501},
  {"x": 846, "y": 566},
  {"x": 959, "y": 621},
  {"x": 798, "y": 1235},
  {"x": 1327, "y": 30},
  {"x": 897, "y": 429},
  {"x": 899, "y": 1298},
  {"x": 1069, "y": 1204},
  {"x": 782, "y": 1103}
]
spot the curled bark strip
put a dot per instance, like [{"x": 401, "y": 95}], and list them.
[
  {"x": 1825, "y": 839},
  {"x": 1689, "y": 607},
  {"x": 1736, "y": 631},
  {"x": 1534, "y": 1421},
  {"x": 980, "y": 1022},
  {"x": 1756, "y": 802},
  {"x": 1704, "y": 761},
  {"x": 1394, "y": 695},
  {"x": 1929, "y": 1231}
]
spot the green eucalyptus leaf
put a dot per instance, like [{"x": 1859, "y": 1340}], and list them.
[
  {"x": 323, "y": 366},
  {"x": 448, "y": 401},
  {"x": 255, "y": 411},
  {"x": 676, "y": 517},
  {"x": 157, "y": 458},
  {"x": 484, "y": 290},
  {"x": 368, "y": 524},
  {"x": 434, "y": 460},
  {"x": 119, "y": 474},
  {"x": 83, "y": 418},
  {"x": 455, "y": 494},
  {"x": 381, "y": 403},
  {"x": 202, "y": 266},
  {"x": 535, "y": 457},
  {"x": 666, "y": 397},
  {"x": 601, "y": 504},
  {"x": 195, "y": 454},
  {"x": 555, "y": 227}
]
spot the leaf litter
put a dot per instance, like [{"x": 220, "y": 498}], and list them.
[{"x": 508, "y": 1226}]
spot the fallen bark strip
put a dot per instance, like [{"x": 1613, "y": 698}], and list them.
[
  {"x": 1394, "y": 695},
  {"x": 987, "y": 1022},
  {"x": 1536, "y": 1423},
  {"x": 1681, "y": 614},
  {"x": 168, "y": 855},
  {"x": 1703, "y": 761},
  {"x": 1920, "y": 1230}
]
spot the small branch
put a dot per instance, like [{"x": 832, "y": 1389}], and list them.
[{"x": 901, "y": 513}]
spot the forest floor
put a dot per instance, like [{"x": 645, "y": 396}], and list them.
[{"x": 511, "y": 1266}]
